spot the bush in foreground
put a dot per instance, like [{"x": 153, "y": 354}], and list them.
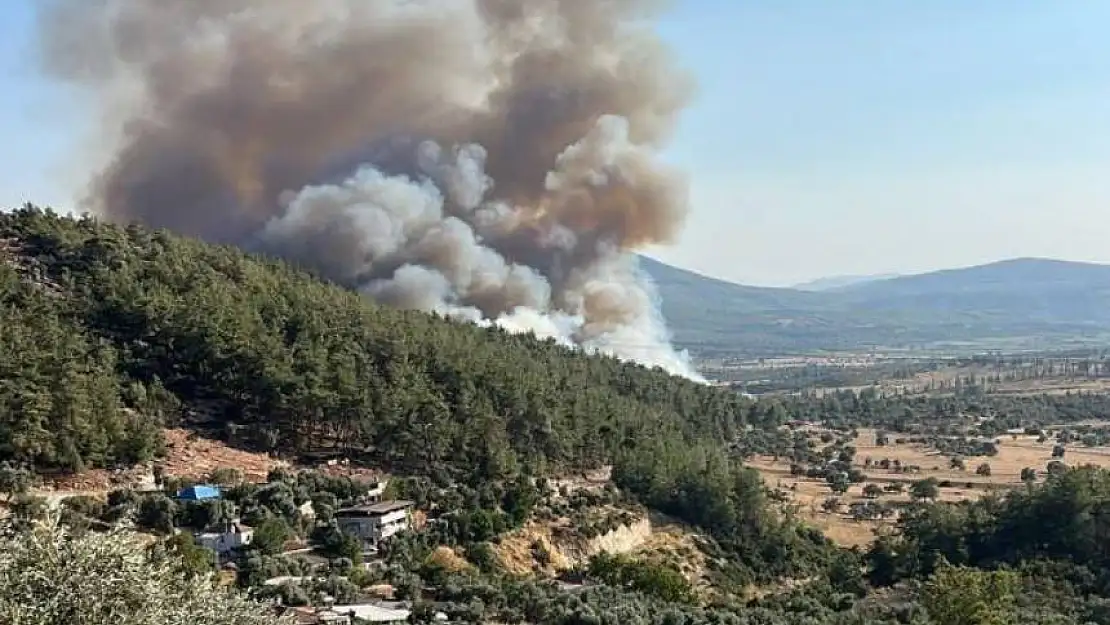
[{"x": 49, "y": 577}]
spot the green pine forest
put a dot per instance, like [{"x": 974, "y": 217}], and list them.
[{"x": 110, "y": 332}]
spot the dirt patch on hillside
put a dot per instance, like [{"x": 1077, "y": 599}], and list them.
[
  {"x": 447, "y": 559},
  {"x": 191, "y": 456},
  {"x": 531, "y": 550},
  {"x": 94, "y": 481}
]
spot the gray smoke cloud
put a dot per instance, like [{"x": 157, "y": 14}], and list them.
[{"x": 492, "y": 160}]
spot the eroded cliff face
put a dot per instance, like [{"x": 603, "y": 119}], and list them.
[
  {"x": 551, "y": 548},
  {"x": 623, "y": 539}
]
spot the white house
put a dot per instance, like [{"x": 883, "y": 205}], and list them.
[
  {"x": 384, "y": 613},
  {"x": 375, "y": 522},
  {"x": 374, "y": 613},
  {"x": 321, "y": 616},
  {"x": 235, "y": 536}
]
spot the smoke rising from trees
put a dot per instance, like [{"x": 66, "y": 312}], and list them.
[{"x": 493, "y": 160}]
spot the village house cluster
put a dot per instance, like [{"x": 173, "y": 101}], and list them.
[{"x": 373, "y": 522}]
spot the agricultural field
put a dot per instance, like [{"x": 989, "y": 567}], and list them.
[
  {"x": 948, "y": 378},
  {"x": 808, "y": 496},
  {"x": 1013, "y": 375}
]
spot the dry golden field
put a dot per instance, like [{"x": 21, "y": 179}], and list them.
[{"x": 1015, "y": 453}]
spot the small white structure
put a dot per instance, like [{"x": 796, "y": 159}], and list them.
[
  {"x": 376, "y": 522},
  {"x": 235, "y": 536},
  {"x": 307, "y": 510},
  {"x": 365, "y": 613},
  {"x": 321, "y": 616},
  {"x": 285, "y": 579},
  {"x": 374, "y": 613},
  {"x": 377, "y": 490}
]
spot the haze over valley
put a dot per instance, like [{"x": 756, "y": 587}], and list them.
[{"x": 1020, "y": 304}]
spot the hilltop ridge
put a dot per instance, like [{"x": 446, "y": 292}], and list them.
[{"x": 1022, "y": 303}]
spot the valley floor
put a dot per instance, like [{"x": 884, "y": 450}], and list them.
[{"x": 1015, "y": 452}]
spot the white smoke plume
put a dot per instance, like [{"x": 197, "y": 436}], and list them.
[{"x": 492, "y": 160}]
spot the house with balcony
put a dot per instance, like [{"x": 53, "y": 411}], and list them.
[{"x": 376, "y": 522}]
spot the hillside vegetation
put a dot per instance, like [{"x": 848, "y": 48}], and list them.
[
  {"x": 1016, "y": 304},
  {"x": 112, "y": 333}
]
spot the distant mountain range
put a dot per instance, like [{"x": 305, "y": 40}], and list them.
[{"x": 1025, "y": 303}]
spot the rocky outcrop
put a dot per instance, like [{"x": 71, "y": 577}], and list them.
[
  {"x": 620, "y": 540},
  {"x": 550, "y": 548}
]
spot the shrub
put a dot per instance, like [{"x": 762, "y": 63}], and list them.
[{"x": 50, "y": 577}]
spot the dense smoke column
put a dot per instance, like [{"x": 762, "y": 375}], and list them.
[{"x": 495, "y": 160}]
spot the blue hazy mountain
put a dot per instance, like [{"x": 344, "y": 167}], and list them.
[{"x": 1026, "y": 303}]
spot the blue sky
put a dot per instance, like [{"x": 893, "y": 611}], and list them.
[
  {"x": 827, "y": 137},
  {"x": 37, "y": 126}
]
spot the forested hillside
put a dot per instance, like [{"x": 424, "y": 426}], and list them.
[{"x": 111, "y": 333}]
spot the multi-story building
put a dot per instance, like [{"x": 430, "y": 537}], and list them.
[{"x": 375, "y": 522}]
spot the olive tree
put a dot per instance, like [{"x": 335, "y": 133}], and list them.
[
  {"x": 925, "y": 489},
  {"x": 51, "y": 577}
]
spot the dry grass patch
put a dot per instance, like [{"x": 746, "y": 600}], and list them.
[
  {"x": 447, "y": 559},
  {"x": 191, "y": 456},
  {"x": 808, "y": 495}
]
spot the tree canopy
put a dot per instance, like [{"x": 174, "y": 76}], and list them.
[
  {"x": 113, "y": 332},
  {"x": 50, "y": 577}
]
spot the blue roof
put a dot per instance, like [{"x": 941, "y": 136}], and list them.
[{"x": 197, "y": 493}]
